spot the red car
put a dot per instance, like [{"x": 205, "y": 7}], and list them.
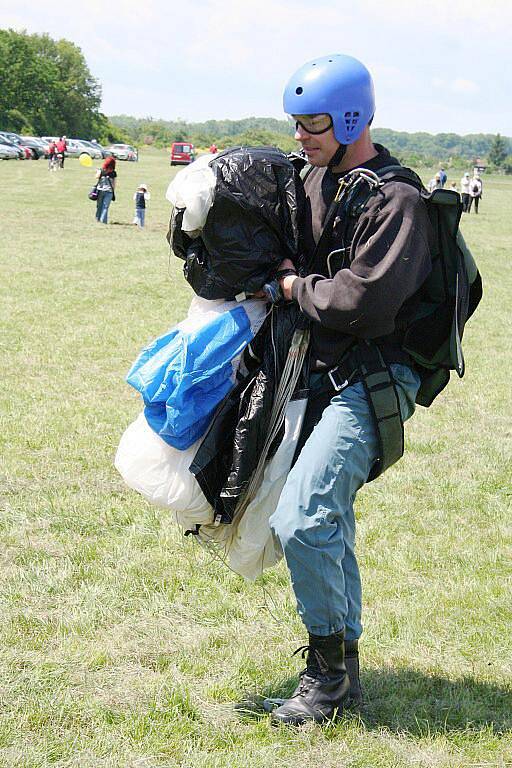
[{"x": 182, "y": 153}]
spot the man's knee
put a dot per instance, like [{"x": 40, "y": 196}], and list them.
[{"x": 285, "y": 524}]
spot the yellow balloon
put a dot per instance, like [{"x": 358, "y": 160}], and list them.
[{"x": 85, "y": 160}]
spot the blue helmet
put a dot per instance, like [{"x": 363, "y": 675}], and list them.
[{"x": 337, "y": 85}]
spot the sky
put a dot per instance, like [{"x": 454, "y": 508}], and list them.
[{"x": 438, "y": 65}]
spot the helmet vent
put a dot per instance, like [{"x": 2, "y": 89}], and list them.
[
  {"x": 351, "y": 121},
  {"x": 299, "y": 90}
]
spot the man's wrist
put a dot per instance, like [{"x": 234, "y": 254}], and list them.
[
  {"x": 281, "y": 273},
  {"x": 286, "y": 284}
]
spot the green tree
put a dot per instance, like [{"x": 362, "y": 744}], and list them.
[
  {"x": 18, "y": 123},
  {"x": 46, "y": 84},
  {"x": 25, "y": 82},
  {"x": 498, "y": 151}
]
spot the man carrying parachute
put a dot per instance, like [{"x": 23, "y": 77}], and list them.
[
  {"x": 372, "y": 249},
  {"x": 380, "y": 282}
]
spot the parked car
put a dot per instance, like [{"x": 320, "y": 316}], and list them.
[
  {"x": 8, "y": 150},
  {"x": 182, "y": 153},
  {"x": 91, "y": 148},
  {"x": 74, "y": 148},
  {"x": 24, "y": 153},
  {"x": 40, "y": 142},
  {"x": 34, "y": 145},
  {"x": 123, "y": 152}
]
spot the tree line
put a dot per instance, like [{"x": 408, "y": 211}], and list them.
[
  {"x": 46, "y": 89},
  {"x": 414, "y": 148}
]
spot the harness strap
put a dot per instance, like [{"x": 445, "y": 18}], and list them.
[
  {"x": 382, "y": 396},
  {"x": 365, "y": 363}
]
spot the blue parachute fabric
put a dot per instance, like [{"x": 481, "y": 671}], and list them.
[
  {"x": 184, "y": 374},
  {"x": 148, "y": 373}
]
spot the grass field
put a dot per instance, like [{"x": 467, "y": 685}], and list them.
[{"x": 121, "y": 643}]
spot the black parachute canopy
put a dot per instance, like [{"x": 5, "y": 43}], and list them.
[{"x": 252, "y": 225}]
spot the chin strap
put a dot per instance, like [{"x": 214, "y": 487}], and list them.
[{"x": 338, "y": 156}]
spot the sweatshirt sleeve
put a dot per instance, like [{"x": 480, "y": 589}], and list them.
[{"x": 390, "y": 259}]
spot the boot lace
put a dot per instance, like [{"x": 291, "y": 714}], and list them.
[{"x": 316, "y": 666}]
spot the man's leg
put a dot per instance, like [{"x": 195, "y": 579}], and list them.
[
  {"x": 315, "y": 524},
  {"x": 470, "y": 201},
  {"x": 477, "y": 199},
  {"x": 314, "y": 520}
]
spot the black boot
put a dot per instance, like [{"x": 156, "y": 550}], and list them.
[
  {"x": 323, "y": 686},
  {"x": 355, "y": 695}
]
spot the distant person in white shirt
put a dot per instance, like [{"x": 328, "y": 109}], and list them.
[
  {"x": 464, "y": 191},
  {"x": 435, "y": 183},
  {"x": 475, "y": 191}
]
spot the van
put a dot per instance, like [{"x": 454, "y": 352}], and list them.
[{"x": 182, "y": 153}]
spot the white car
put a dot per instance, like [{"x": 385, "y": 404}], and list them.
[
  {"x": 7, "y": 150},
  {"x": 123, "y": 152}
]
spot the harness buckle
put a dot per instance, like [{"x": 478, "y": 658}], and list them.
[{"x": 338, "y": 386}]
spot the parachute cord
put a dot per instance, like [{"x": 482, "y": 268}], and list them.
[{"x": 289, "y": 378}]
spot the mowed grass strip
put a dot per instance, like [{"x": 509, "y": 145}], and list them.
[{"x": 122, "y": 643}]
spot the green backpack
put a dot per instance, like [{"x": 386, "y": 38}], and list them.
[{"x": 447, "y": 298}]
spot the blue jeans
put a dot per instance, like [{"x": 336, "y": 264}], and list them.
[
  {"x": 140, "y": 215},
  {"x": 314, "y": 520},
  {"x": 102, "y": 205}
]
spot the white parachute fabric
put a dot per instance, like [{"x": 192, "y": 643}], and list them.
[
  {"x": 193, "y": 188},
  {"x": 160, "y": 473},
  {"x": 247, "y": 544}
]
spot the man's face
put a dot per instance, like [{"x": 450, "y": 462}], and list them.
[{"x": 319, "y": 147}]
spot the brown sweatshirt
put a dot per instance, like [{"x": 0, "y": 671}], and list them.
[{"x": 388, "y": 261}]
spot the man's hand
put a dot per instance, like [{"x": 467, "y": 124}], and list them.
[{"x": 286, "y": 283}]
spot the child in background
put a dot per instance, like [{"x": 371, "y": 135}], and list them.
[{"x": 141, "y": 196}]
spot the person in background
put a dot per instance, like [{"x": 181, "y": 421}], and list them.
[
  {"x": 443, "y": 176},
  {"x": 61, "y": 150},
  {"x": 213, "y": 149},
  {"x": 52, "y": 156},
  {"x": 453, "y": 187},
  {"x": 475, "y": 191},
  {"x": 106, "y": 183},
  {"x": 435, "y": 183},
  {"x": 141, "y": 197},
  {"x": 464, "y": 192}
]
